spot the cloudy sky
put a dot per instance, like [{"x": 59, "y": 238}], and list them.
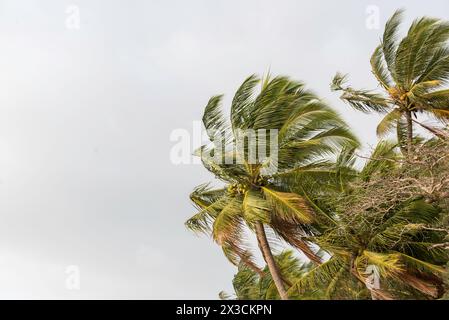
[{"x": 90, "y": 91}]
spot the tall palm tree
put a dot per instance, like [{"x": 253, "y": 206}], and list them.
[
  {"x": 382, "y": 230},
  {"x": 412, "y": 73},
  {"x": 256, "y": 194}
]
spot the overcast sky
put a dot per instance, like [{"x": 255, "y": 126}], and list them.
[{"x": 86, "y": 110}]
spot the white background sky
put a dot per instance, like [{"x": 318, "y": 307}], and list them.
[{"x": 85, "y": 119}]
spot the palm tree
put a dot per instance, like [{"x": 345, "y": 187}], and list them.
[
  {"x": 380, "y": 227},
  {"x": 412, "y": 73},
  {"x": 256, "y": 194}
]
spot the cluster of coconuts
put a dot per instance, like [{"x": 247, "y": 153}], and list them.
[
  {"x": 239, "y": 188},
  {"x": 397, "y": 94}
]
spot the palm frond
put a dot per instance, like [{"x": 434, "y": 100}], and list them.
[
  {"x": 422, "y": 266},
  {"x": 290, "y": 206},
  {"x": 242, "y": 103},
  {"x": 321, "y": 274},
  {"x": 387, "y": 264},
  {"x": 382, "y": 159},
  {"x": 380, "y": 69},
  {"x": 433, "y": 46},
  {"x": 362, "y": 100},
  {"x": 255, "y": 207},
  {"x": 221, "y": 164},
  {"x": 213, "y": 119},
  {"x": 408, "y": 49},
  {"x": 388, "y": 122},
  {"x": 389, "y": 41},
  {"x": 227, "y": 225},
  {"x": 295, "y": 235},
  {"x": 437, "y": 67},
  {"x": 210, "y": 203}
]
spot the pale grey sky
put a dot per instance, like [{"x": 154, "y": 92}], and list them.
[{"x": 85, "y": 119}]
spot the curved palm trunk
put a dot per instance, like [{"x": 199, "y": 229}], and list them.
[
  {"x": 269, "y": 259},
  {"x": 408, "y": 116}
]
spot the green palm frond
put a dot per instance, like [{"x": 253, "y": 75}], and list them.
[
  {"x": 241, "y": 107},
  {"x": 382, "y": 159},
  {"x": 318, "y": 276},
  {"x": 388, "y": 122},
  {"x": 379, "y": 68},
  {"x": 422, "y": 89},
  {"x": 255, "y": 207},
  {"x": 428, "y": 47},
  {"x": 275, "y": 104},
  {"x": 388, "y": 264},
  {"x": 362, "y": 100},
  {"x": 334, "y": 282},
  {"x": 389, "y": 41},
  {"x": 213, "y": 119},
  {"x": 216, "y": 162},
  {"x": 238, "y": 252},
  {"x": 437, "y": 67},
  {"x": 290, "y": 206},
  {"x": 210, "y": 203},
  {"x": 228, "y": 222},
  {"x": 418, "y": 37},
  {"x": 346, "y": 159},
  {"x": 316, "y": 170},
  {"x": 422, "y": 266}
]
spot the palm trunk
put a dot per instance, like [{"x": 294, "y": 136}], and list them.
[
  {"x": 269, "y": 259},
  {"x": 408, "y": 116}
]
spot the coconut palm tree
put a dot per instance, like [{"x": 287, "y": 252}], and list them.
[
  {"x": 411, "y": 72},
  {"x": 294, "y": 131},
  {"x": 381, "y": 231}
]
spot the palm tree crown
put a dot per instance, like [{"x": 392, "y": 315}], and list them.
[
  {"x": 256, "y": 193},
  {"x": 412, "y": 73}
]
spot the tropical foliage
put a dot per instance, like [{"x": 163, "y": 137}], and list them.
[
  {"x": 251, "y": 285},
  {"x": 256, "y": 196},
  {"x": 412, "y": 73},
  {"x": 386, "y": 224},
  {"x": 289, "y": 171}
]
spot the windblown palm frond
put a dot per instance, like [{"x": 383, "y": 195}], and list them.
[
  {"x": 412, "y": 73},
  {"x": 383, "y": 159},
  {"x": 383, "y": 224},
  {"x": 282, "y": 132}
]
